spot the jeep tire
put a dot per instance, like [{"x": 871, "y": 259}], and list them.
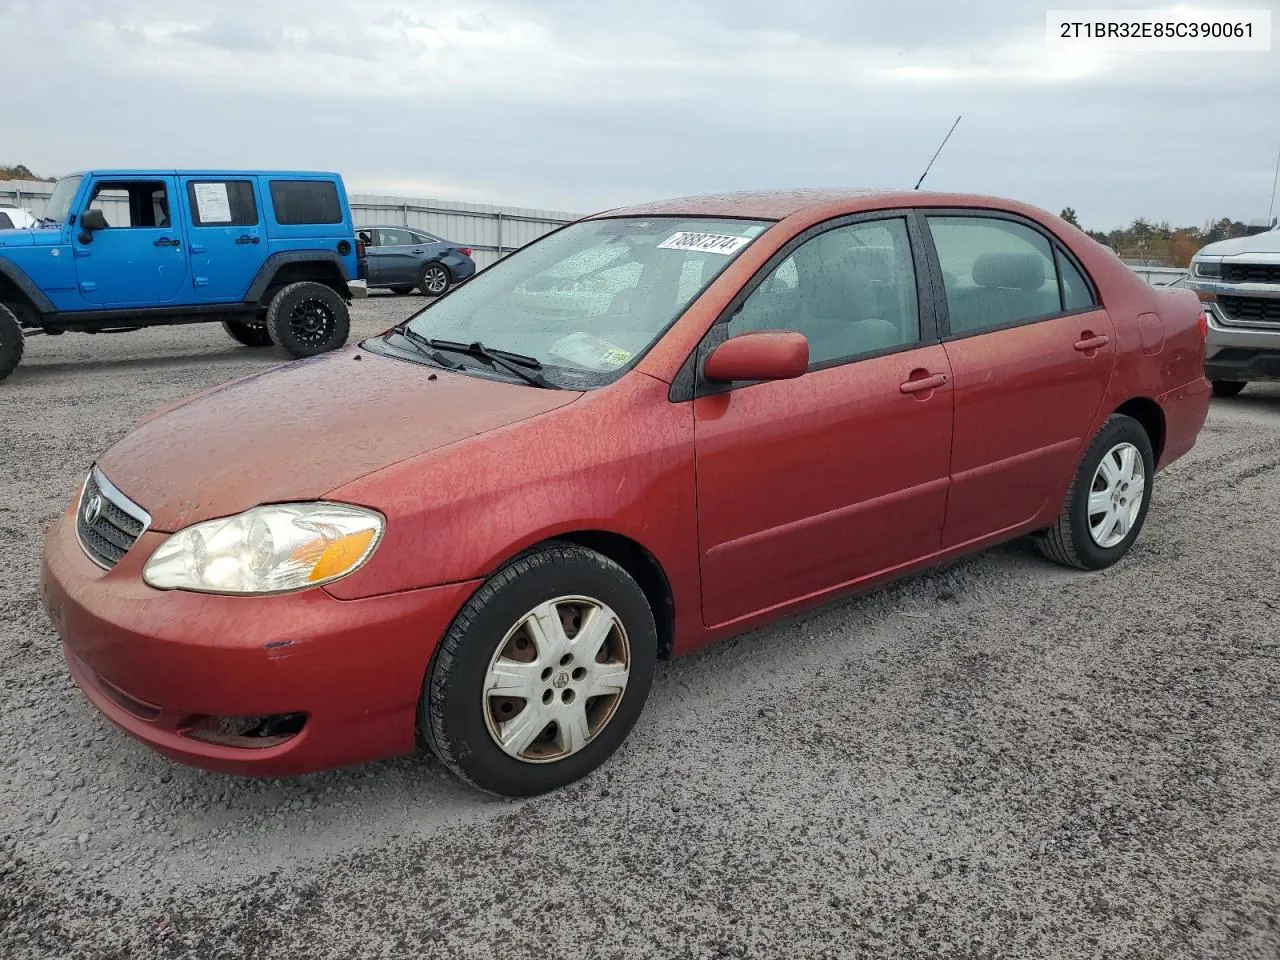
[
  {"x": 251, "y": 334},
  {"x": 11, "y": 341},
  {"x": 308, "y": 318}
]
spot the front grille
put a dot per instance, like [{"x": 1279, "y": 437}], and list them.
[
  {"x": 1251, "y": 273},
  {"x": 1250, "y": 309},
  {"x": 107, "y": 522}
]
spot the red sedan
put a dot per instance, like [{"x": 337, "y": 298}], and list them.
[{"x": 654, "y": 428}]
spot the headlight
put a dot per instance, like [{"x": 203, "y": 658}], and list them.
[
  {"x": 1207, "y": 268},
  {"x": 271, "y": 549}
]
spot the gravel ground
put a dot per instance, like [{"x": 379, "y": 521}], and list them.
[{"x": 1002, "y": 759}]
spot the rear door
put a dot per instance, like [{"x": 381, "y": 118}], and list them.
[
  {"x": 1031, "y": 351},
  {"x": 396, "y": 256},
  {"x": 225, "y": 235},
  {"x": 140, "y": 259}
]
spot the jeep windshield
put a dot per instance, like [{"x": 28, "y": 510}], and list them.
[
  {"x": 585, "y": 302},
  {"x": 58, "y": 205}
]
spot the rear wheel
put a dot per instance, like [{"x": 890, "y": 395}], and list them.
[
  {"x": 250, "y": 334},
  {"x": 308, "y": 318},
  {"x": 1107, "y": 504},
  {"x": 543, "y": 673},
  {"x": 434, "y": 279},
  {"x": 1228, "y": 388},
  {"x": 11, "y": 342}
]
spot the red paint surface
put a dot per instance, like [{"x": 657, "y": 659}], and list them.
[{"x": 755, "y": 503}]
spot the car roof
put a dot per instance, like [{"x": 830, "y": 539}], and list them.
[
  {"x": 780, "y": 204},
  {"x": 299, "y": 174}
]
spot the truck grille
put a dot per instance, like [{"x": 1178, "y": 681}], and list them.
[
  {"x": 1251, "y": 273},
  {"x": 1250, "y": 309},
  {"x": 107, "y": 522}
]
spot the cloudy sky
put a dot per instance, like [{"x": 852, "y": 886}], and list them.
[{"x": 576, "y": 105}]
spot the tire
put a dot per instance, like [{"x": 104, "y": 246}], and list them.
[
  {"x": 402, "y": 290},
  {"x": 308, "y": 318},
  {"x": 249, "y": 334},
  {"x": 434, "y": 279},
  {"x": 462, "y": 724},
  {"x": 1073, "y": 541},
  {"x": 1228, "y": 388},
  {"x": 12, "y": 342}
]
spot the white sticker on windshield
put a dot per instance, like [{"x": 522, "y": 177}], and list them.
[
  {"x": 212, "y": 202},
  {"x": 705, "y": 243}
]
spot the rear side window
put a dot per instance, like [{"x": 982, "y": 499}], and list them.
[
  {"x": 222, "y": 203},
  {"x": 1076, "y": 294},
  {"x": 5, "y": 222},
  {"x": 305, "y": 201},
  {"x": 996, "y": 272}
]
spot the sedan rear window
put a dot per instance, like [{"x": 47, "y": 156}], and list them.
[{"x": 589, "y": 300}]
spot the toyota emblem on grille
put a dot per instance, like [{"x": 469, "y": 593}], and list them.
[{"x": 92, "y": 510}]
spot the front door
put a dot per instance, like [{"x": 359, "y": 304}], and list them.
[
  {"x": 1032, "y": 353},
  {"x": 808, "y": 484},
  {"x": 227, "y": 244},
  {"x": 140, "y": 259}
]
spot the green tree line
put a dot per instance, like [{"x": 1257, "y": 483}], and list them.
[{"x": 1161, "y": 242}]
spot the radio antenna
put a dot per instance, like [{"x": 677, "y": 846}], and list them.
[
  {"x": 935, "y": 155},
  {"x": 1274, "y": 180}
]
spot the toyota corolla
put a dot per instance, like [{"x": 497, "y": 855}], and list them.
[{"x": 650, "y": 429}]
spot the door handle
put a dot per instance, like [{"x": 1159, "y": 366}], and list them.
[
  {"x": 246, "y": 239},
  {"x": 168, "y": 242},
  {"x": 1092, "y": 343},
  {"x": 929, "y": 382},
  {"x": 416, "y": 251}
]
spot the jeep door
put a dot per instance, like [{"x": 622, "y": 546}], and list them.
[
  {"x": 140, "y": 259},
  {"x": 226, "y": 236}
]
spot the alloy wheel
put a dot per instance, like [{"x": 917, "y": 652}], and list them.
[{"x": 1115, "y": 496}]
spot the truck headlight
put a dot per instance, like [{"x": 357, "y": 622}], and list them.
[
  {"x": 270, "y": 549},
  {"x": 1207, "y": 268}
]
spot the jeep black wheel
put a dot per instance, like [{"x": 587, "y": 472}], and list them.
[
  {"x": 11, "y": 342},
  {"x": 250, "y": 334},
  {"x": 308, "y": 318},
  {"x": 434, "y": 279},
  {"x": 402, "y": 290}
]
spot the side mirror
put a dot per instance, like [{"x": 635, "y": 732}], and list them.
[
  {"x": 90, "y": 222},
  {"x": 766, "y": 355}
]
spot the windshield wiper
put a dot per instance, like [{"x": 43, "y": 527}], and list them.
[
  {"x": 516, "y": 363},
  {"x": 425, "y": 347}
]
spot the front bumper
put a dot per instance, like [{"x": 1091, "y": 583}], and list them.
[
  {"x": 1240, "y": 353},
  {"x": 358, "y": 288},
  {"x": 152, "y": 660}
]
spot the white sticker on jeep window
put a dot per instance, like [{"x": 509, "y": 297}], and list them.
[
  {"x": 705, "y": 243},
  {"x": 212, "y": 203}
]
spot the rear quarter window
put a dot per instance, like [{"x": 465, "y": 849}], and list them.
[
  {"x": 305, "y": 202},
  {"x": 5, "y": 222}
]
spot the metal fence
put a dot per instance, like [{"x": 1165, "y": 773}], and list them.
[{"x": 490, "y": 231}]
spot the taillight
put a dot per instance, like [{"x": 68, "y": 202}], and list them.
[
  {"x": 1202, "y": 322},
  {"x": 465, "y": 251}
]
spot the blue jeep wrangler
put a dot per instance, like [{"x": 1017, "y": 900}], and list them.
[{"x": 271, "y": 255}]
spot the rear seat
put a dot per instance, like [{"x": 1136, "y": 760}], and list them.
[{"x": 1008, "y": 286}]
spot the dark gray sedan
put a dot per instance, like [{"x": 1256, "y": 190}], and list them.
[{"x": 402, "y": 259}]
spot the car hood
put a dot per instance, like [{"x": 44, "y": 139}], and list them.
[
  {"x": 298, "y": 431},
  {"x": 30, "y": 236},
  {"x": 1268, "y": 242}
]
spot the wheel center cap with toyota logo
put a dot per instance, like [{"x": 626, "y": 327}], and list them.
[
  {"x": 92, "y": 510},
  {"x": 561, "y": 679}
]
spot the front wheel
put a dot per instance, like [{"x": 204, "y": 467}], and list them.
[
  {"x": 1108, "y": 501},
  {"x": 543, "y": 673},
  {"x": 12, "y": 342},
  {"x": 1228, "y": 388},
  {"x": 434, "y": 279},
  {"x": 308, "y": 318}
]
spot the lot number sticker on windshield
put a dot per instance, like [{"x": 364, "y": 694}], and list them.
[
  {"x": 212, "y": 202},
  {"x": 705, "y": 243}
]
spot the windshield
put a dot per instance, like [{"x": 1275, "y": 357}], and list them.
[
  {"x": 58, "y": 205},
  {"x": 592, "y": 298}
]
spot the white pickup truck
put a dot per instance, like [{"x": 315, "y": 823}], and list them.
[
  {"x": 16, "y": 218},
  {"x": 1239, "y": 283}
]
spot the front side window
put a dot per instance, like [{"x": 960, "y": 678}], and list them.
[
  {"x": 589, "y": 299},
  {"x": 298, "y": 202},
  {"x": 851, "y": 291},
  {"x": 132, "y": 203},
  {"x": 222, "y": 203},
  {"x": 996, "y": 272}
]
